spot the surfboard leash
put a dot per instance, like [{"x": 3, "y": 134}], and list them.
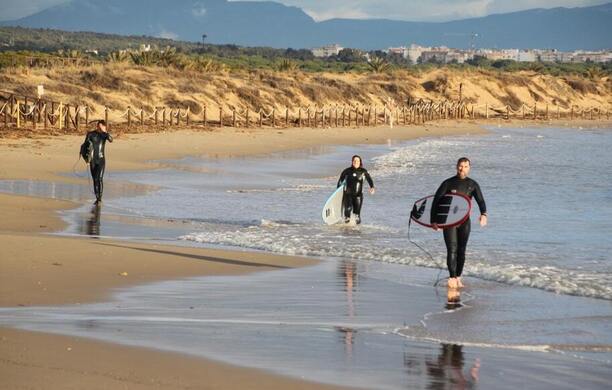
[
  {"x": 76, "y": 174},
  {"x": 438, "y": 279}
]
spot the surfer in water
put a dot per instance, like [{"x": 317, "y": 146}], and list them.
[
  {"x": 353, "y": 196},
  {"x": 94, "y": 142},
  {"x": 456, "y": 238}
]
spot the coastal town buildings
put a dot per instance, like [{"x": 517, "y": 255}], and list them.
[{"x": 419, "y": 54}]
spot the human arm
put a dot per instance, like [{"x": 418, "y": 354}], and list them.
[
  {"x": 370, "y": 182},
  {"x": 342, "y": 178},
  {"x": 482, "y": 206}
]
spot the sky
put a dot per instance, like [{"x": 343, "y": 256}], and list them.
[{"x": 410, "y": 10}]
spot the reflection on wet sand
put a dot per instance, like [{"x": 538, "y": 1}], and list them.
[
  {"x": 453, "y": 299},
  {"x": 90, "y": 223},
  {"x": 447, "y": 371},
  {"x": 347, "y": 272}
]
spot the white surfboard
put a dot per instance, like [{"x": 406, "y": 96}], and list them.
[
  {"x": 332, "y": 211},
  {"x": 453, "y": 210}
]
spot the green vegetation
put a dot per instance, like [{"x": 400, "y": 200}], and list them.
[{"x": 46, "y": 48}]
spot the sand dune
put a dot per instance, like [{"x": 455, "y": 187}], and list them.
[{"x": 118, "y": 86}]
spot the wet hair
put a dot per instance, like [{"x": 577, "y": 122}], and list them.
[
  {"x": 360, "y": 160},
  {"x": 464, "y": 159}
]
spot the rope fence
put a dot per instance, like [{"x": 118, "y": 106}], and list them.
[{"x": 27, "y": 112}]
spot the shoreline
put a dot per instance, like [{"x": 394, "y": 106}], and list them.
[
  {"x": 51, "y": 270},
  {"x": 77, "y": 278}
]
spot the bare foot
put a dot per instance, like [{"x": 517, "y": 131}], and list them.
[
  {"x": 459, "y": 284},
  {"x": 453, "y": 295},
  {"x": 452, "y": 282}
]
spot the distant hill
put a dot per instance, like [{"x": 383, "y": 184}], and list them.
[{"x": 272, "y": 24}]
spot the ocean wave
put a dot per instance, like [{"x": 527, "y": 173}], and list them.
[
  {"x": 297, "y": 188},
  {"x": 410, "y": 158},
  {"x": 304, "y": 240}
]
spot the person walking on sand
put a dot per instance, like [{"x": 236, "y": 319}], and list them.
[
  {"x": 92, "y": 151},
  {"x": 456, "y": 238},
  {"x": 352, "y": 199}
]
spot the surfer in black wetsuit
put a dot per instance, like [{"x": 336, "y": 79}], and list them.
[
  {"x": 353, "y": 195},
  {"x": 456, "y": 238},
  {"x": 95, "y": 141}
]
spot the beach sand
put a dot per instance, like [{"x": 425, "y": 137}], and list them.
[{"x": 41, "y": 269}]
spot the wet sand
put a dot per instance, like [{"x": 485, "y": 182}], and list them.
[{"x": 40, "y": 269}]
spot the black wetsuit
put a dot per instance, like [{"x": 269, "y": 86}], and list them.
[
  {"x": 456, "y": 238},
  {"x": 97, "y": 164},
  {"x": 353, "y": 195}
]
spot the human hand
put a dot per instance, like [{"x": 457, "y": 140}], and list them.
[
  {"x": 372, "y": 191},
  {"x": 435, "y": 226},
  {"x": 483, "y": 220}
]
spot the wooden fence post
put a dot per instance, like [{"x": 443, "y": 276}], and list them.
[
  {"x": 45, "y": 119},
  {"x": 60, "y": 117},
  {"x": 77, "y": 113},
  {"x": 86, "y": 117},
  {"x": 67, "y": 117},
  {"x": 220, "y": 116},
  {"x": 129, "y": 112},
  {"x": 260, "y": 117},
  {"x": 178, "y": 116},
  {"x": 299, "y": 116},
  {"x": 141, "y": 116},
  {"x": 34, "y": 118},
  {"x": 18, "y": 114},
  {"x": 336, "y": 120},
  {"x": 204, "y": 116},
  {"x": 156, "y": 113},
  {"x": 247, "y": 118},
  {"x": 535, "y": 111},
  {"x": 286, "y": 117},
  {"x": 187, "y": 116},
  {"x": 106, "y": 117},
  {"x": 164, "y": 117}
]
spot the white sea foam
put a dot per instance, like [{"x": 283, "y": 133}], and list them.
[
  {"x": 297, "y": 188},
  {"x": 307, "y": 240}
]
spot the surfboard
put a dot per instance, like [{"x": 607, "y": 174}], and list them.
[
  {"x": 332, "y": 211},
  {"x": 453, "y": 210}
]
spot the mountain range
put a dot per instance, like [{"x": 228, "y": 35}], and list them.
[{"x": 266, "y": 23}]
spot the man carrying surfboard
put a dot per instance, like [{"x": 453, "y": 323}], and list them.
[
  {"x": 352, "y": 177},
  {"x": 456, "y": 238},
  {"x": 92, "y": 151}
]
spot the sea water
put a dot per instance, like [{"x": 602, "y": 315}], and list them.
[
  {"x": 548, "y": 195},
  {"x": 536, "y": 312}
]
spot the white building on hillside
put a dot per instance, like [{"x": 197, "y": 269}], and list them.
[
  {"x": 414, "y": 52},
  {"x": 327, "y": 51},
  {"x": 402, "y": 51},
  {"x": 527, "y": 56}
]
